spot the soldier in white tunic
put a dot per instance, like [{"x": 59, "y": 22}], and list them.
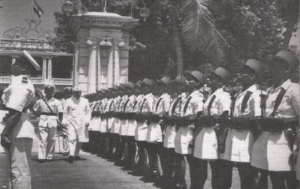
[
  {"x": 190, "y": 109},
  {"x": 50, "y": 111},
  {"x": 77, "y": 115},
  {"x": 110, "y": 120},
  {"x": 95, "y": 122},
  {"x": 145, "y": 107},
  {"x": 271, "y": 151},
  {"x": 206, "y": 144},
  {"x": 117, "y": 123},
  {"x": 127, "y": 130},
  {"x": 240, "y": 138},
  {"x": 18, "y": 132},
  {"x": 154, "y": 133},
  {"x": 172, "y": 176},
  {"x": 102, "y": 125}
]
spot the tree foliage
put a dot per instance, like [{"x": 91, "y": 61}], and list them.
[{"x": 240, "y": 30}]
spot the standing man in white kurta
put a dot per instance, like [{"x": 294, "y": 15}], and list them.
[
  {"x": 216, "y": 107},
  {"x": 271, "y": 151},
  {"x": 240, "y": 139},
  {"x": 77, "y": 116},
  {"x": 18, "y": 132},
  {"x": 51, "y": 112}
]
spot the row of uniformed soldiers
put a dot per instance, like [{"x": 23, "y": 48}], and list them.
[{"x": 200, "y": 122}]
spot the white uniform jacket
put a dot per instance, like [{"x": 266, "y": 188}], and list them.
[
  {"x": 50, "y": 121},
  {"x": 132, "y": 124},
  {"x": 123, "y": 122},
  {"x": 110, "y": 108},
  {"x": 95, "y": 121},
  {"x": 239, "y": 142},
  {"x": 271, "y": 150},
  {"x": 161, "y": 107},
  {"x": 170, "y": 130},
  {"x": 129, "y": 108},
  {"x": 17, "y": 96},
  {"x": 144, "y": 108},
  {"x": 77, "y": 114},
  {"x": 103, "y": 122},
  {"x": 206, "y": 145},
  {"x": 184, "y": 136},
  {"x": 116, "y": 121}
]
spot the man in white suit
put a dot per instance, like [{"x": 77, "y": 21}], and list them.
[{"x": 77, "y": 115}]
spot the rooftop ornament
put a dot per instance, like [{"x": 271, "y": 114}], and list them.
[{"x": 144, "y": 13}]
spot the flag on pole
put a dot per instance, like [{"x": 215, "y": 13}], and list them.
[{"x": 37, "y": 9}]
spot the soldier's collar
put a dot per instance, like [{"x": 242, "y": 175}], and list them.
[{"x": 285, "y": 85}]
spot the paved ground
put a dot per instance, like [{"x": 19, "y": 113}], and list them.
[{"x": 91, "y": 173}]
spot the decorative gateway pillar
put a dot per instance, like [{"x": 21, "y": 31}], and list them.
[
  {"x": 103, "y": 50},
  {"x": 92, "y": 46}
]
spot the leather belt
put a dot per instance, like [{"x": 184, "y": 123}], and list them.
[{"x": 48, "y": 113}]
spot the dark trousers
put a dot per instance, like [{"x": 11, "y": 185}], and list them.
[
  {"x": 155, "y": 151},
  {"x": 170, "y": 172},
  {"x": 142, "y": 155},
  {"x": 246, "y": 173},
  {"x": 131, "y": 152},
  {"x": 279, "y": 179},
  {"x": 283, "y": 179},
  {"x": 95, "y": 142},
  {"x": 115, "y": 145},
  {"x": 121, "y": 151},
  {"x": 103, "y": 145},
  {"x": 201, "y": 173},
  {"x": 180, "y": 168}
]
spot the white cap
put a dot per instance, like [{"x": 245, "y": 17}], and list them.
[{"x": 49, "y": 85}]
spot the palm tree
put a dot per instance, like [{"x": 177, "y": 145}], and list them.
[{"x": 192, "y": 23}]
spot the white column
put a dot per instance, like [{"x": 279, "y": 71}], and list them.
[
  {"x": 92, "y": 66},
  {"x": 117, "y": 65},
  {"x": 49, "y": 69},
  {"x": 44, "y": 71},
  {"x": 110, "y": 68},
  {"x": 76, "y": 65},
  {"x": 98, "y": 67}
]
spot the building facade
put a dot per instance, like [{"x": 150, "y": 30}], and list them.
[{"x": 100, "y": 60}]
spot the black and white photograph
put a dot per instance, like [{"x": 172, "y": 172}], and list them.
[{"x": 149, "y": 94}]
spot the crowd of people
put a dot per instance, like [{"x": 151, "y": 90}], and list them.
[{"x": 156, "y": 127}]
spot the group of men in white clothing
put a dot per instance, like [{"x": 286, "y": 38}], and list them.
[
  {"x": 70, "y": 115},
  {"x": 222, "y": 121}
]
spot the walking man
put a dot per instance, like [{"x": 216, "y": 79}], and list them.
[
  {"x": 67, "y": 94},
  {"x": 77, "y": 116},
  {"x": 50, "y": 111}
]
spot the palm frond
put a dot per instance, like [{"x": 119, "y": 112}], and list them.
[{"x": 198, "y": 30}]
